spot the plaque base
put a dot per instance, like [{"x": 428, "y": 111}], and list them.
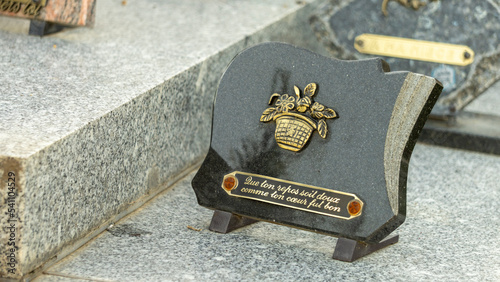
[
  {"x": 225, "y": 222},
  {"x": 42, "y": 28},
  {"x": 350, "y": 250},
  {"x": 346, "y": 249}
]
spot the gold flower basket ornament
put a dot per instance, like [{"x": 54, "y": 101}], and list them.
[{"x": 297, "y": 117}]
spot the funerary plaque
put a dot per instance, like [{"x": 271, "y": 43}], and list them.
[
  {"x": 313, "y": 142},
  {"x": 64, "y": 12}
]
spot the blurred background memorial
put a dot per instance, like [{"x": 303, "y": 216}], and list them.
[
  {"x": 474, "y": 25},
  {"x": 47, "y": 16}
]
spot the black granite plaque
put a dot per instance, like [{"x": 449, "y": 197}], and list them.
[{"x": 313, "y": 142}]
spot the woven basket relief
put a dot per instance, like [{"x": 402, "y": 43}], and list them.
[
  {"x": 297, "y": 117},
  {"x": 292, "y": 133}
]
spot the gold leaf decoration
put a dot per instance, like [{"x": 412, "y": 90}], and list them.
[
  {"x": 329, "y": 113},
  {"x": 268, "y": 114},
  {"x": 310, "y": 89},
  {"x": 272, "y": 98},
  {"x": 322, "y": 128},
  {"x": 317, "y": 107},
  {"x": 297, "y": 91},
  {"x": 297, "y": 117},
  {"x": 317, "y": 115}
]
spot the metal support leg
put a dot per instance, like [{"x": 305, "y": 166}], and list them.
[
  {"x": 225, "y": 222},
  {"x": 350, "y": 250},
  {"x": 41, "y": 28}
]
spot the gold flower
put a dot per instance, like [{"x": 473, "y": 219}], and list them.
[
  {"x": 285, "y": 103},
  {"x": 317, "y": 110},
  {"x": 303, "y": 104}
]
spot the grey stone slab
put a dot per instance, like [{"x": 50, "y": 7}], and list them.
[
  {"x": 94, "y": 120},
  {"x": 451, "y": 234},
  {"x": 487, "y": 103},
  {"x": 16, "y": 25},
  {"x": 57, "y": 278},
  {"x": 55, "y": 85}
]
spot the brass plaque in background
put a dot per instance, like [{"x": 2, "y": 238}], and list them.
[{"x": 427, "y": 51}]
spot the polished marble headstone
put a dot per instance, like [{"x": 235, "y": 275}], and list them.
[{"x": 314, "y": 143}]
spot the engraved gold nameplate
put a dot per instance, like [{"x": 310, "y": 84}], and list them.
[
  {"x": 405, "y": 48},
  {"x": 292, "y": 194}
]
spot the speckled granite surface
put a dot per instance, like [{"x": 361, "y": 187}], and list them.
[
  {"x": 99, "y": 118},
  {"x": 451, "y": 234},
  {"x": 488, "y": 102},
  {"x": 57, "y": 84}
]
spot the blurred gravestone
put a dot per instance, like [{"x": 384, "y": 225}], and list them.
[
  {"x": 48, "y": 16},
  {"x": 471, "y": 23}
]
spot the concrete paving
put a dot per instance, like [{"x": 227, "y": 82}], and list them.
[
  {"x": 488, "y": 102},
  {"x": 451, "y": 234}
]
